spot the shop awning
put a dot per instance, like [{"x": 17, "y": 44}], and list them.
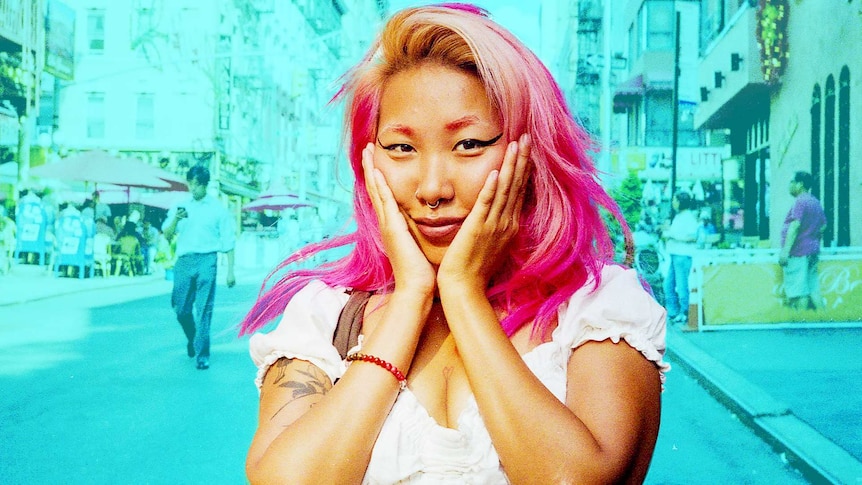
[{"x": 633, "y": 88}]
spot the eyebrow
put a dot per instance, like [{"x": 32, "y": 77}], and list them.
[
  {"x": 454, "y": 125},
  {"x": 462, "y": 122},
  {"x": 398, "y": 128}
]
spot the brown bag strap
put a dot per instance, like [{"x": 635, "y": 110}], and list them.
[{"x": 350, "y": 322}]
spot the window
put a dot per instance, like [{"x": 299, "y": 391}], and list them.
[
  {"x": 756, "y": 186},
  {"x": 96, "y": 31},
  {"x": 142, "y": 26},
  {"x": 95, "y": 115},
  {"x": 640, "y": 30},
  {"x": 658, "y": 107},
  {"x": 658, "y": 130},
  {"x": 145, "y": 122},
  {"x": 144, "y": 21},
  {"x": 687, "y": 136},
  {"x": 843, "y": 223},
  {"x": 815, "y": 140},
  {"x": 660, "y": 25},
  {"x": 828, "y": 199}
]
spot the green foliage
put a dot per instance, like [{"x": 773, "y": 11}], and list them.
[
  {"x": 628, "y": 195},
  {"x": 12, "y": 79}
]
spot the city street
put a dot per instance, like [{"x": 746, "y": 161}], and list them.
[
  {"x": 136, "y": 132},
  {"x": 98, "y": 390}
]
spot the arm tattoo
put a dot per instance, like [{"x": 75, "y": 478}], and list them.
[{"x": 314, "y": 383}]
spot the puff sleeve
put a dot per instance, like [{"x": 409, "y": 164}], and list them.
[
  {"x": 304, "y": 332},
  {"x": 619, "y": 309}
]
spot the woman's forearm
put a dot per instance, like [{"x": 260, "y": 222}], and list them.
[
  {"x": 331, "y": 442},
  {"x": 538, "y": 438}
]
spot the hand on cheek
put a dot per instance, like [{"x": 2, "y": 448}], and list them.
[
  {"x": 476, "y": 252},
  {"x": 410, "y": 268}
]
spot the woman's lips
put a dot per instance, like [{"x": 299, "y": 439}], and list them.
[{"x": 438, "y": 230}]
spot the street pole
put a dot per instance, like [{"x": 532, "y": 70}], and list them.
[
  {"x": 607, "y": 99},
  {"x": 28, "y": 67},
  {"x": 675, "y": 132}
]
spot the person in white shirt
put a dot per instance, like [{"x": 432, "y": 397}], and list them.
[
  {"x": 680, "y": 243},
  {"x": 203, "y": 228},
  {"x": 100, "y": 209}
]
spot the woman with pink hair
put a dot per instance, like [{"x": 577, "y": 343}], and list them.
[{"x": 497, "y": 340}]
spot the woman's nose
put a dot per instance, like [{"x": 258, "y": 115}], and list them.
[{"x": 434, "y": 181}]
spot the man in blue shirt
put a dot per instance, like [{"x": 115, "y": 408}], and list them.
[{"x": 203, "y": 228}]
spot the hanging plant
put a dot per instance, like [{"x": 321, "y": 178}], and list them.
[
  {"x": 772, "y": 39},
  {"x": 13, "y": 82}
]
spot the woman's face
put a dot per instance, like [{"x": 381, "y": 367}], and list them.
[{"x": 438, "y": 138}]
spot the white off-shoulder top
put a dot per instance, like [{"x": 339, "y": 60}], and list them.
[{"x": 412, "y": 448}]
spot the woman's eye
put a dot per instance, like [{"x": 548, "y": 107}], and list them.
[
  {"x": 472, "y": 144},
  {"x": 397, "y": 147},
  {"x": 469, "y": 144}
]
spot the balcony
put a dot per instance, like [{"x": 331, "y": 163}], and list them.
[
  {"x": 729, "y": 78},
  {"x": 18, "y": 26},
  {"x": 324, "y": 16},
  {"x": 587, "y": 74}
]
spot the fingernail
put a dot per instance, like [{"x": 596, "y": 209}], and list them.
[{"x": 513, "y": 147}]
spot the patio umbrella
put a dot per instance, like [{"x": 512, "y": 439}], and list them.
[
  {"x": 101, "y": 167},
  {"x": 163, "y": 200},
  {"x": 275, "y": 202}
]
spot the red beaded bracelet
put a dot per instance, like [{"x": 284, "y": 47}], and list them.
[{"x": 402, "y": 380}]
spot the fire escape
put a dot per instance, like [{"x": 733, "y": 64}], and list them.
[
  {"x": 324, "y": 17},
  {"x": 588, "y": 91}
]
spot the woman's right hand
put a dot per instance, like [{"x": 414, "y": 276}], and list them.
[{"x": 410, "y": 267}]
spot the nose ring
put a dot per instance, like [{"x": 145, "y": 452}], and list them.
[{"x": 430, "y": 206}]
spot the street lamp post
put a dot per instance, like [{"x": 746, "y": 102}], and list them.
[{"x": 675, "y": 122}]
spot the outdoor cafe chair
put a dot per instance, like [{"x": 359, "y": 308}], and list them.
[
  {"x": 102, "y": 254},
  {"x": 128, "y": 256}
]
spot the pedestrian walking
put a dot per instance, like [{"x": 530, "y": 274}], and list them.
[
  {"x": 800, "y": 245},
  {"x": 680, "y": 244},
  {"x": 498, "y": 341},
  {"x": 203, "y": 228}
]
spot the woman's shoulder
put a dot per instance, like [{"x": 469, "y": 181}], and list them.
[
  {"x": 618, "y": 308},
  {"x": 316, "y": 299},
  {"x": 614, "y": 281},
  {"x": 304, "y": 331}
]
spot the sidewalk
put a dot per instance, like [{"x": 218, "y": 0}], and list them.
[
  {"x": 799, "y": 388},
  {"x": 27, "y": 283}
]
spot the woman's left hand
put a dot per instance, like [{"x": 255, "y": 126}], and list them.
[{"x": 476, "y": 251}]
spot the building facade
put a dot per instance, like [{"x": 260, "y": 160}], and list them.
[
  {"x": 781, "y": 86},
  {"x": 238, "y": 85},
  {"x": 824, "y": 134},
  {"x": 662, "y": 150},
  {"x": 22, "y": 58}
]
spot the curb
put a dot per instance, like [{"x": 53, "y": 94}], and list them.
[
  {"x": 72, "y": 291},
  {"x": 815, "y": 456},
  {"x": 253, "y": 274}
]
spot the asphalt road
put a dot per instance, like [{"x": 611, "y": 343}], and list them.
[{"x": 96, "y": 388}]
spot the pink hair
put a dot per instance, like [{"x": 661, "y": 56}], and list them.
[{"x": 563, "y": 241}]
